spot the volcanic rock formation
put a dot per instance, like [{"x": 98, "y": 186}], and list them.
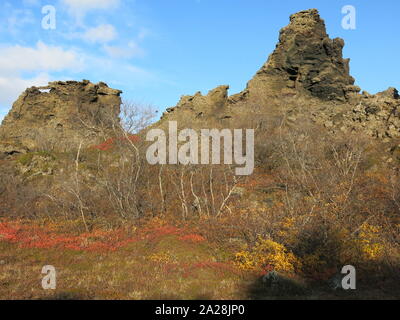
[
  {"x": 59, "y": 116},
  {"x": 307, "y": 59},
  {"x": 307, "y": 68},
  {"x": 305, "y": 78}
]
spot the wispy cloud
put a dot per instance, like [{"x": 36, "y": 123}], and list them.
[
  {"x": 19, "y": 19},
  {"x": 11, "y": 86},
  {"x": 131, "y": 50},
  {"x": 42, "y": 57},
  {"x": 79, "y": 8},
  {"x": 101, "y": 34},
  {"x": 84, "y": 45},
  {"x": 39, "y": 61}
]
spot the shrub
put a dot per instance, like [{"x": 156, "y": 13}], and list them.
[
  {"x": 267, "y": 255},
  {"x": 368, "y": 246}
]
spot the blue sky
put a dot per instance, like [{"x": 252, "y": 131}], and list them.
[{"x": 157, "y": 50}]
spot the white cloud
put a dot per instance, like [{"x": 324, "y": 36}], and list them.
[
  {"x": 103, "y": 33},
  {"x": 39, "y": 61},
  {"x": 12, "y": 86},
  {"x": 130, "y": 51},
  {"x": 18, "y": 19},
  {"x": 91, "y": 4},
  {"x": 14, "y": 59},
  {"x": 31, "y": 2},
  {"x": 79, "y": 8}
]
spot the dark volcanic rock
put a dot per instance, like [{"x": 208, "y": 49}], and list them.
[{"x": 306, "y": 58}]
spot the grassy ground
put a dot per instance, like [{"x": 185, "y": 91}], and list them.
[
  {"x": 157, "y": 263},
  {"x": 153, "y": 262}
]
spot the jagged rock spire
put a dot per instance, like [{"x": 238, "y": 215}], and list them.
[{"x": 306, "y": 58}]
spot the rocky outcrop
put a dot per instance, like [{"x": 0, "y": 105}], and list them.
[
  {"x": 376, "y": 115},
  {"x": 208, "y": 108},
  {"x": 306, "y": 63},
  {"x": 216, "y": 99},
  {"x": 307, "y": 60},
  {"x": 59, "y": 116},
  {"x": 306, "y": 77}
]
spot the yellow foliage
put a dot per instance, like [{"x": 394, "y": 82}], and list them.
[
  {"x": 369, "y": 242},
  {"x": 367, "y": 246},
  {"x": 287, "y": 231},
  {"x": 161, "y": 257},
  {"x": 288, "y": 223},
  {"x": 267, "y": 253}
]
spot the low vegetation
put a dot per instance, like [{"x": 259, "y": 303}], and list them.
[{"x": 117, "y": 228}]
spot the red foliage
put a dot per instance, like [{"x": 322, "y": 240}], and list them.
[
  {"x": 110, "y": 143},
  {"x": 156, "y": 233},
  {"x": 32, "y": 236},
  {"x": 183, "y": 233},
  {"x": 38, "y": 237},
  {"x": 192, "y": 238}
]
